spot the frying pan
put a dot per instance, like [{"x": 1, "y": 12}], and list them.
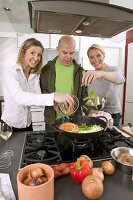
[{"x": 78, "y": 120}]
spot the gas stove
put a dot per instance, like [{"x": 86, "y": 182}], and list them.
[{"x": 53, "y": 148}]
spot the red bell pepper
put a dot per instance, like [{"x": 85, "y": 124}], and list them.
[{"x": 79, "y": 170}]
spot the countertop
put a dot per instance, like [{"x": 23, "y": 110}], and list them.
[{"x": 116, "y": 187}]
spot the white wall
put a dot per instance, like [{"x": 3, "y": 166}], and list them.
[
  {"x": 123, "y": 3},
  {"x": 8, "y": 55}
]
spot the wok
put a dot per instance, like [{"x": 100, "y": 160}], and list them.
[{"x": 78, "y": 121}]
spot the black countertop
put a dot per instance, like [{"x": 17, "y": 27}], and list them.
[{"x": 116, "y": 187}]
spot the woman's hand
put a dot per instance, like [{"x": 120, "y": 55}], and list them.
[
  {"x": 64, "y": 98},
  {"x": 91, "y": 76}
]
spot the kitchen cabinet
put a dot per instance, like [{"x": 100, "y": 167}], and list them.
[
  {"x": 128, "y": 94},
  {"x": 113, "y": 52},
  {"x": 38, "y": 118},
  {"x": 128, "y": 112},
  {"x": 43, "y": 38}
]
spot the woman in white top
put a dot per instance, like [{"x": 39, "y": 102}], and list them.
[{"x": 22, "y": 89}]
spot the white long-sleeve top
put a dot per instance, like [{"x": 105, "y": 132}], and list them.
[{"x": 20, "y": 95}]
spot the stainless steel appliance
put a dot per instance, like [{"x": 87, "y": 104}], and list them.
[{"x": 76, "y": 17}]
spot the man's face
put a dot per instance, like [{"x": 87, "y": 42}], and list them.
[{"x": 66, "y": 51}]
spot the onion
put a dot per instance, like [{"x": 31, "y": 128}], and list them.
[
  {"x": 43, "y": 179},
  {"x": 98, "y": 172},
  {"x": 25, "y": 181},
  {"x": 36, "y": 173},
  {"x": 92, "y": 187},
  {"x": 87, "y": 158},
  {"x": 108, "y": 167},
  {"x": 34, "y": 182}
]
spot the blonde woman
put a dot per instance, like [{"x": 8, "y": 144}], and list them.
[
  {"x": 104, "y": 80},
  {"x": 22, "y": 89}
]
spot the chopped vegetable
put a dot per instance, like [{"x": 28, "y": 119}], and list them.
[
  {"x": 69, "y": 127},
  {"x": 92, "y": 99},
  {"x": 83, "y": 128}
]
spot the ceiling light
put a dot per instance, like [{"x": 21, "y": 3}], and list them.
[
  {"x": 7, "y": 9},
  {"x": 78, "y": 31},
  {"x": 86, "y": 23}
]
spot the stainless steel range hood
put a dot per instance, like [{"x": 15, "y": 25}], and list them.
[{"x": 85, "y": 18}]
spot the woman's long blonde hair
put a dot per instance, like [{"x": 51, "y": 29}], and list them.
[{"x": 26, "y": 45}]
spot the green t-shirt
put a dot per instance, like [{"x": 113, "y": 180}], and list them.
[{"x": 64, "y": 80}]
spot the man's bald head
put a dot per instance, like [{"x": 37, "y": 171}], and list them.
[{"x": 66, "y": 49}]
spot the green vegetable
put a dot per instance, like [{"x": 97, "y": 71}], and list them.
[
  {"x": 92, "y": 99},
  {"x": 89, "y": 129}
]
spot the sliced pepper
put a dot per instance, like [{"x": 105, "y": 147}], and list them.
[{"x": 79, "y": 170}]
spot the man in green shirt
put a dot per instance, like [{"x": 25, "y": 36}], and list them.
[{"x": 62, "y": 74}]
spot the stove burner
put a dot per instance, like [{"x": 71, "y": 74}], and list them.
[
  {"x": 40, "y": 139},
  {"x": 41, "y": 148},
  {"x": 112, "y": 139},
  {"x": 53, "y": 148},
  {"x": 41, "y": 154}
]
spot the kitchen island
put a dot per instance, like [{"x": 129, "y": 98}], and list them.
[{"x": 116, "y": 187}]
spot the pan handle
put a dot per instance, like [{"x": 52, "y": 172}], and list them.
[{"x": 105, "y": 119}]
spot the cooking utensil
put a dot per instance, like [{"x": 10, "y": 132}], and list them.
[
  {"x": 126, "y": 168},
  {"x": 67, "y": 111},
  {"x": 78, "y": 120},
  {"x": 64, "y": 115}
]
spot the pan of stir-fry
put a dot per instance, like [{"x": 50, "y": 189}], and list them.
[{"x": 81, "y": 128}]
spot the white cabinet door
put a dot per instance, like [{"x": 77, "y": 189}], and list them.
[
  {"x": 43, "y": 38},
  {"x": 129, "y": 80},
  {"x": 128, "y": 113},
  {"x": 38, "y": 118}
]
